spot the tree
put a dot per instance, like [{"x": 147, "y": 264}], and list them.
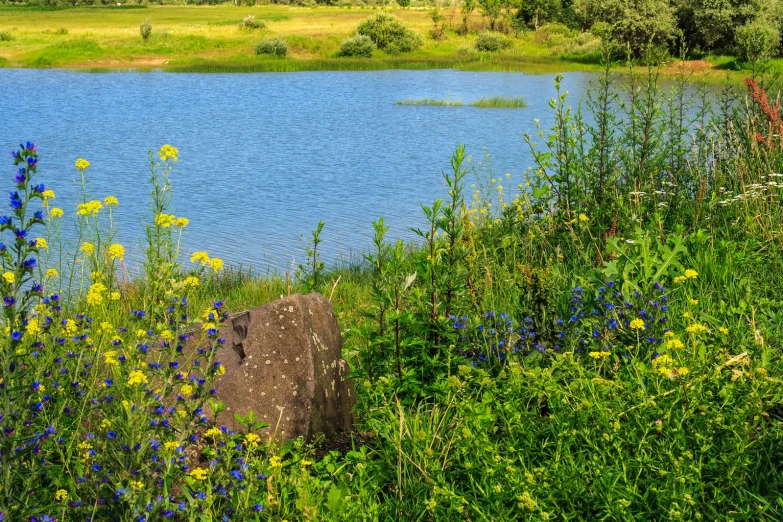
[
  {"x": 491, "y": 9},
  {"x": 710, "y": 24},
  {"x": 632, "y": 24},
  {"x": 466, "y": 9}
]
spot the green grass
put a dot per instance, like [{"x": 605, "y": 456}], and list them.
[{"x": 494, "y": 102}]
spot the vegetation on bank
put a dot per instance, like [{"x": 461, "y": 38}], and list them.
[
  {"x": 602, "y": 343},
  {"x": 467, "y": 35}
]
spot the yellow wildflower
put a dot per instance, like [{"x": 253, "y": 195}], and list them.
[
  {"x": 216, "y": 263},
  {"x": 33, "y": 327},
  {"x": 137, "y": 377},
  {"x": 105, "y": 424},
  {"x": 668, "y": 333},
  {"x": 70, "y": 327},
  {"x": 167, "y": 335},
  {"x": 637, "y": 324},
  {"x": 181, "y": 222},
  {"x": 304, "y": 463},
  {"x": 275, "y": 462},
  {"x": 165, "y": 220},
  {"x": 674, "y": 344},
  {"x": 199, "y": 474},
  {"x": 95, "y": 293},
  {"x": 694, "y": 301},
  {"x": 110, "y": 201},
  {"x": 61, "y": 495},
  {"x": 583, "y": 218},
  {"x": 599, "y": 355},
  {"x": 114, "y": 296},
  {"x": 171, "y": 445},
  {"x": 723, "y": 330},
  {"x": 182, "y": 413},
  {"x": 691, "y": 274},
  {"x": 40, "y": 242},
  {"x": 116, "y": 251},
  {"x": 82, "y": 164},
  {"x": 51, "y": 272},
  {"x": 9, "y": 277},
  {"x": 90, "y": 208},
  {"x": 47, "y": 194},
  {"x": 252, "y": 440},
  {"x": 213, "y": 432},
  {"x": 167, "y": 152},
  {"x": 87, "y": 249},
  {"x": 191, "y": 281},
  {"x": 680, "y": 279},
  {"x": 56, "y": 212},
  {"x": 186, "y": 390},
  {"x": 105, "y": 327},
  {"x": 136, "y": 484},
  {"x": 200, "y": 257},
  {"x": 697, "y": 328},
  {"x": 110, "y": 357}
]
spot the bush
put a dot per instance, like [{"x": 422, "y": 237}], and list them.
[
  {"x": 357, "y": 45},
  {"x": 389, "y": 34},
  {"x": 250, "y": 22},
  {"x": 274, "y": 46},
  {"x": 491, "y": 42},
  {"x": 5, "y": 36},
  {"x": 145, "y": 28},
  {"x": 756, "y": 40}
]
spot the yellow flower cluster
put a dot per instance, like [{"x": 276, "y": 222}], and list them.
[
  {"x": 114, "y": 296},
  {"x": 9, "y": 277},
  {"x": 116, "y": 251},
  {"x": 198, "y": 473},
  {"x": 136, "y": 484},
  {"x": 33, "y": 327},
  {"x": 674, "y": 344},
  {"x": 95, "y": 294},
  {"x": 41, "y": 242},
  {"x": 61, "y": 495},
  {"x": 599, "y": 355},
  {"x": 137, "y": 377},
  {"x": 688, "y": 274},
  {"x": 169, "y": 220},
  {"x": 171, "y": 445},
  {"x": 200, "y": 257},
  {"x": 167, "y": 152},
  {"x": 110, "y": 357},
  {"x": 191, "y": 281},
  {"x": 51, "y": 272},
  {"x": 82, "y": 164},
  {"x": 216, "y": 263},
  {"x": 47, "y": 195},
  {"x": 90, "y": 208},
  {"x": 213, "y": 432},
  {"x": 186, "y": 390},
  {"x": 56, "y": 212},
  {"x": 87, "y": 249},
  {"x": 252, "y": 440},
  {"x": 637, "y": 324},
  {"x": 697, "y": 328},
  {"x": 110, "y": 201}
]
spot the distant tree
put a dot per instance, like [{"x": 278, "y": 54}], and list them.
[
  {"x": 711, "y": 24},
  {"x": 404, "y": 3},
  {"x": 537, "y": 12},
  {"x": 491, "y": 9},
  {"x": 631, "y": 24},
  {"x": 466, "y": 9}
]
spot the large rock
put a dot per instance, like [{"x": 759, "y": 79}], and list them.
[{"x": 285, "y": 366}]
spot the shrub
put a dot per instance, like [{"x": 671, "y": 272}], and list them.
[
  {"x": 250, "y": 22},
  {"x": 756, "y": 40},
  {"x": 145, "y": 28},
  {"x": 357, "y": 45},
  {"x": 62, "y": 31},
  {"x": 5, "y": 36},
  {"x": 491, "y": 42},
  {"x": 389, "y": 34},
  {"x": 274, "y": 46}
]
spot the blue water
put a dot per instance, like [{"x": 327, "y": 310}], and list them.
[{"x": 264, "y": 157}]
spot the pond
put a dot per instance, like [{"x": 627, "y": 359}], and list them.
[{"x": 264, "y": 157}]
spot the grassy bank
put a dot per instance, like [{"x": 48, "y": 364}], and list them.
[{"x": 209, "y": 39}]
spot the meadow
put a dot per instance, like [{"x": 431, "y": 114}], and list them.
[
  {"x": 603, "y": 345},
  {"x": 210, "y": 39}
]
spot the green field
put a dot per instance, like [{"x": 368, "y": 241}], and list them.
[{"x": 209, "y": 39}]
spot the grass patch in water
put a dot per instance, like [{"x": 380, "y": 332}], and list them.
[
  {"x": 493, "y": 102},
  {"x": 500, "y": 102},
  {"x": 431, "y": 101}
]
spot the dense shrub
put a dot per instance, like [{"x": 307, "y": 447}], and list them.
[
  {"x": 491, "y": 42},
  {"x": 251, "y": 22},
  {"x": 5, "y": 36},
  {"x": 274, "y": 46},
  {"x": 145, "y": 29},
  {"x": 757, "y": 40},
  {"x": 357, "y": 45},
  {"x": 389, "y": 34}
]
